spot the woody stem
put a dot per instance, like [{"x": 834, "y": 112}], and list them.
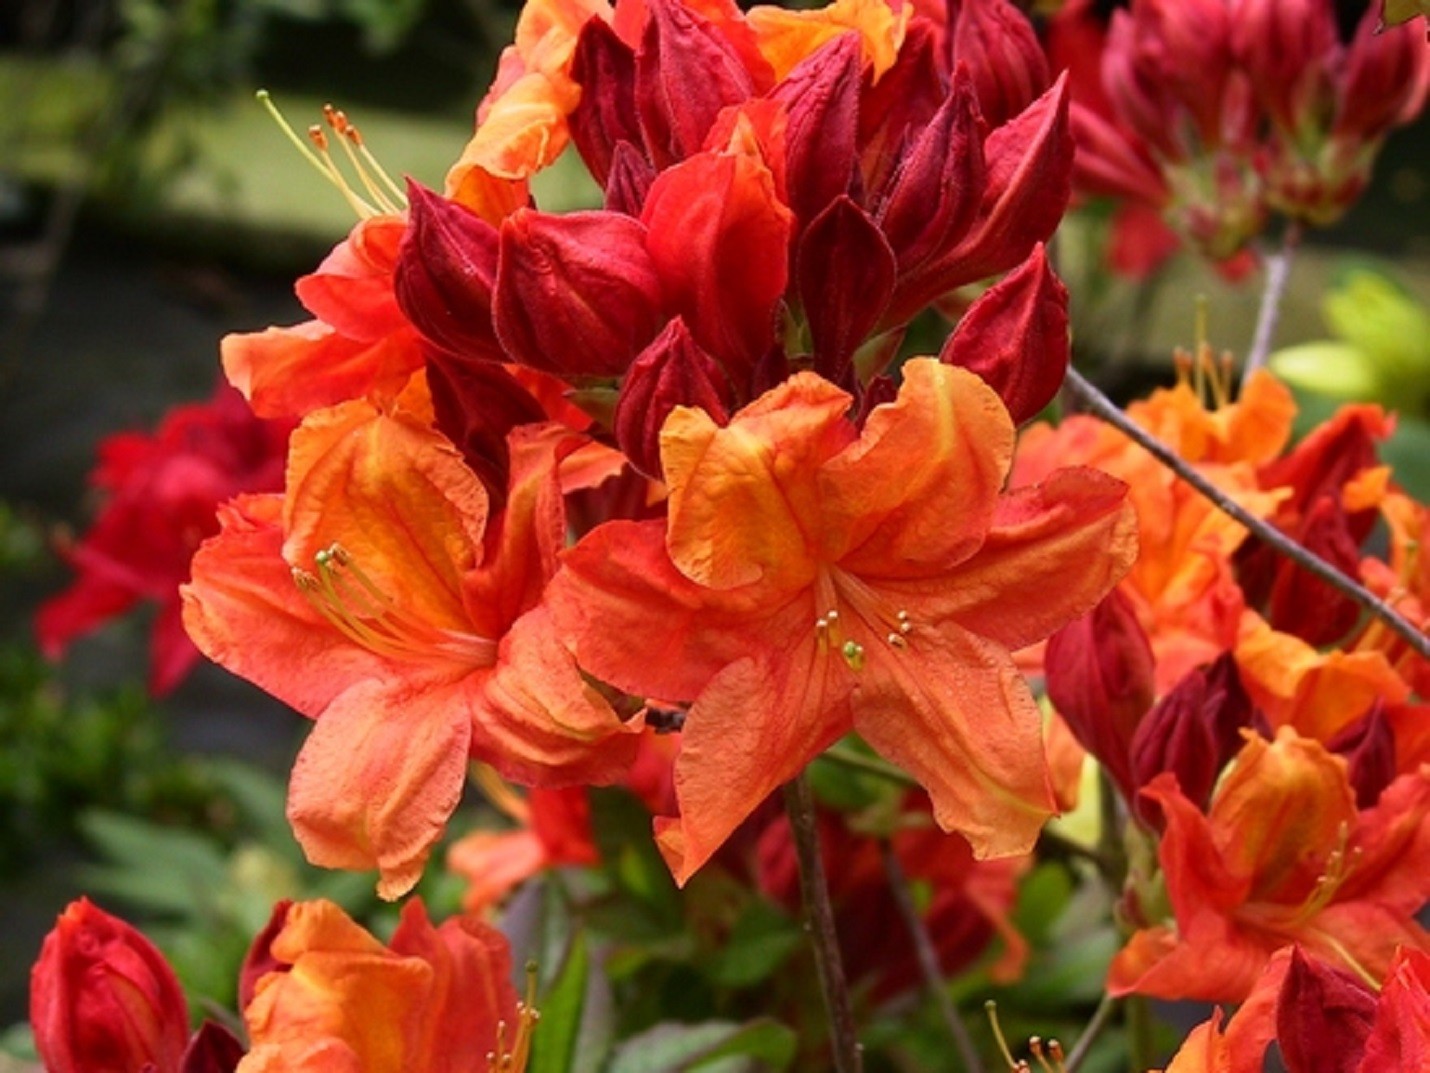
[
  {"x": 819, "y": 922},
  {"x": 928, "y": 958},
  {"x": 1109, "y": 411},
  {"x": 1278, "y": 271}
]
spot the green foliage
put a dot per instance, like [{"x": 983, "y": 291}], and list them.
[
  {"x": 1380, "y": 351},
  {"x": 61, "y": 755},
  {"x": 713, "y": 1047}
]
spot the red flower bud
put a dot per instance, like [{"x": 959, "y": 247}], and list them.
[
  {"x": 1015, "y": 336},
  {"x": 104, "y": 1000},
  {"x": 605, "y": 67},
  {"x": 934, "y": 195},
  {"x": 1192, "y": 732},
  {"x": 1323, "y": 1017},
  {"x": 821, "y": 95},
  {"x": 686, "y": 72},
  {"x": 997, "y": 42},
  {"x": 899, "y": 104},
  {"x": 476, "y": 404},
  {"x": 1289, "y": 50},
  {"x": 1028, "y": 180},
  {"x": 445, "y": 274},
  {"x": 213, "y": 1049},
  {"x": 576, "y": 294},
  {"x": 1099, "y": 670},
  {"x": 845, "y": 272},
  {"x": 719, "y": 236},
  {"x": 1368, "y": 745},
  {"x": 630, "y": 180},
  {"x": 673, "y": 371}
]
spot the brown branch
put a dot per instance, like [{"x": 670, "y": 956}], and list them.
[
  {"x": 1110, "y": 412},
  {"x": 819, "y": 922},
  {"x": 928, "y": 958}
]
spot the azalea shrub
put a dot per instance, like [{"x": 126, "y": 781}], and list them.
[{"x": 713, "y": 674}]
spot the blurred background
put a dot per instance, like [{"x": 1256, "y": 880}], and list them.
[{"x": 148, "y": 206}]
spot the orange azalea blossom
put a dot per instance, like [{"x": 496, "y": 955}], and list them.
[
  {"x": 1283, "y": 856},
  {"x": 378, "y": 597},
  {"x": 555, "y": 830},
  {"x": 359, "y": 344},
  {"x": 1182, "y": 586},
  {"x": 812, "y": 579},
  {"x": 1319, "y": 693},
  {"x": 1405, "y": 582},
  {"x": 438, "y": 1000}
]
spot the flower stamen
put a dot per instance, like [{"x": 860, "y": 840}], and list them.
[
  {"x": 369, "y": 617},
  {"x": 317, "y": 153}
]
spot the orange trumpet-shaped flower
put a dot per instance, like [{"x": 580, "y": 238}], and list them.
[
  {"x": 439, "y": 1000},
  {"x": 1283, "y": 856},
  {"x": 813, "y": 579},
  {"x": 379, "y": 598}
]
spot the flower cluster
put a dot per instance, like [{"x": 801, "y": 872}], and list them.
[
  {"x": 781, "y": 532},
  {"x": 1215, "y": 114}
]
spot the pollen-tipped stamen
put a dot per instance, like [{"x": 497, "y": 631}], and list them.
[
  {"x": 318, "y": 154},
  {"x": 367, "y": 616},
  {"x": 513, "y": 1060}
]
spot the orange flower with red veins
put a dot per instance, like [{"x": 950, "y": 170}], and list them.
[
  {"x": 814, "y": 579},
  {"x": 438, "y": 1000},
  {"x": 1283, "y": 856},
  {"x": 379, "y": 598}
]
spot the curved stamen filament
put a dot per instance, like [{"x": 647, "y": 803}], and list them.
[
  {"x": 368, "y": 617},
  {"x": 370, "y": 173}
]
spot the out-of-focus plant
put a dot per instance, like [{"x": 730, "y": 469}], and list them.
[{"x": 1380, "y": 351}]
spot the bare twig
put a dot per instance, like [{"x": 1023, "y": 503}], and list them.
[
  {"x": 1106, "y": 409},
  {"x": 819, "y": 921},
  {"x": 1278, "y": 271},
  {"x": 1095, "y": 1025},
  {"x": 928, "y": 958}
]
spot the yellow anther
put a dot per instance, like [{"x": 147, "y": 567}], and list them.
[{"x": 896, "y": 640}]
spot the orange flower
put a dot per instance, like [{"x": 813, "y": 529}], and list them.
[
  {"x": 555, "y": 830},
  {"x": 1282, "y": 856},
  {"x": 438, "y": 1000},
  {"x": 813, "y": 579},
  {"x": 379, "y": 598},
  {"x": 1182, "y": 584},
  {"x": 358, "y": 345}
]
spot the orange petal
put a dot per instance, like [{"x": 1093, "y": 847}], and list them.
[
  {"x": 731, "y": 759},
  {"x": 963, "y": 723},
  {"x": 742, "y": 498},
  {"x": 378, "y": 778},
  {"x": 288, "y": 372},
  {"x": 786, "y": 37},
  {"x": 243, "y": 611},
  {"x": 1054, "y": 551},
  {"x": 538, "y": 721},
  {"x": 919, "y": 488},
  {"x": 398, "y": 498}
]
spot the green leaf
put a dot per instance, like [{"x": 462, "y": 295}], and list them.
[
  {"x": 762, "y": 938},
  {"x": 154, "y": 867},
  {"x": 1400, "y": 11},
  {"x": 554, "y": 1044},
  {"x": 712, "y": 1047}
]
